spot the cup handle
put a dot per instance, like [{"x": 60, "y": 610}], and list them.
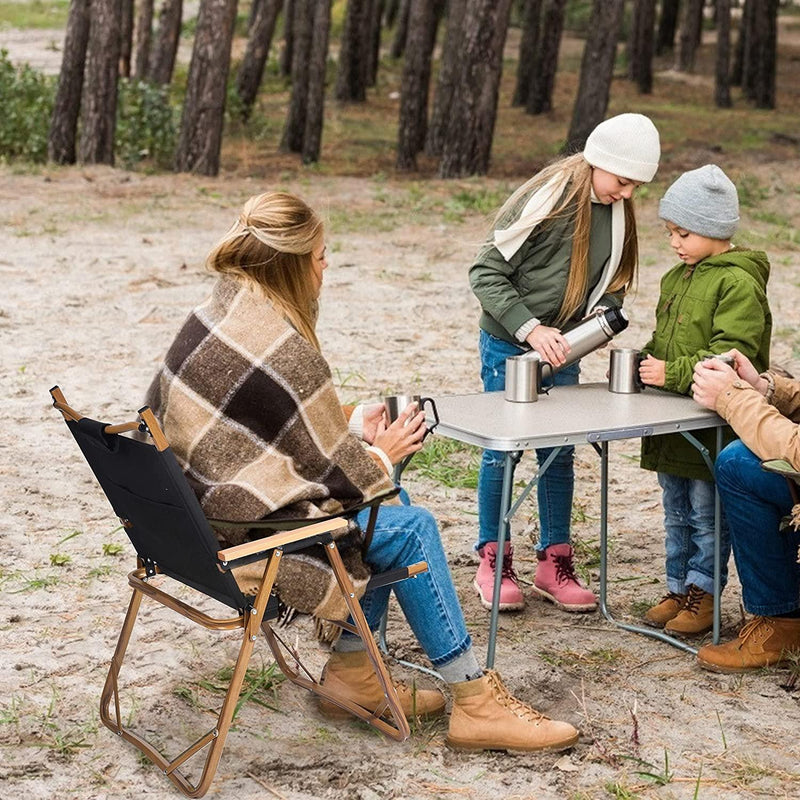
[{"x": 430, "y": 400}]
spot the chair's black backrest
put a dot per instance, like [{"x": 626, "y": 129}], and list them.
[{"x": 163, "y": 518}]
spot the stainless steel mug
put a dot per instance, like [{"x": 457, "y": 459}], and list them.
[
  {"x": 395, "y": 404},
  {"x": 523, "y": 378},
  {"x": 729, "y": 360},
  {"x": 623, "y": 371}
]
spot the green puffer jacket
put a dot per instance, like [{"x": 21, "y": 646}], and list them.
[
  {"x": 717, "y": 305},
  {"x": 533, "y": 282}
]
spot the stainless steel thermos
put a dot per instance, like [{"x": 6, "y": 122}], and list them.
[{"x": 524, "y": 380}]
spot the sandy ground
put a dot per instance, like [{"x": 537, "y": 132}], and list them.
[{"x": 99, "y": 267}]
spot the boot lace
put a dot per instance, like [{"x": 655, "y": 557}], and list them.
[
  {"x": 508, "y": 565},
  {"x": 692, "y": 605},
  {"x": 750, "y": 628},
  {"x": 565, "y": 569},
  {"x": 507, "y": 700}
]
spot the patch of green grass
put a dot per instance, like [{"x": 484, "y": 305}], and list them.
[
  {"x": 35, "y": 14},
  {"x": 448, "y": 462},
  {"x": 35, "y": 583},
  {"x": 112, "y": 549},
  {"x": 260, "y": 685},
  {"x": 60, "y": 559}
]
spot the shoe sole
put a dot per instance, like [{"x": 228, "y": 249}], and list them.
[
  {"x": 332, "y": 711},
  {"x": 541, "y": 594},
  {"x": 686, "y": 634},
  {"x": 728, "y": 670},
  {"x": 475, "y": 747},
  {"x": 502, "y": 606}
]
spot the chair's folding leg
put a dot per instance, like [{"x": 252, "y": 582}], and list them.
[
  {"x": 216, "y": 736},
  {"x": 400, "y": 729}
]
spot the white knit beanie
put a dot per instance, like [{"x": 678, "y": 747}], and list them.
[
  {"x": 626, "y": 146},
  {"x": 702, "y": 201}
]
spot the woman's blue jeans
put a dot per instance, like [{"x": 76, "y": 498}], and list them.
[
  {"x": 403, "y": 535},
  {"x": 689, "y": 541},
  {"x": 766, "y": 558},
  {"x": 555, "y": 487}
]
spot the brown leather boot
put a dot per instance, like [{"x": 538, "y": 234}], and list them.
[
  {"x": 762, "y": 642},
  {"x": 696, "y": 616},
  {"x": 485, "y": 716},
  {"x": 661, "y": 613},
  {"x": 351, "y": 676}
]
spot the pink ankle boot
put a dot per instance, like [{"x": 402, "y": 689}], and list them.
[
  {"x": 511, "y": 597},
  {"x": 556, "y": 580}
]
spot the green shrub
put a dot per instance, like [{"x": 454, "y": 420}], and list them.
[
  {"x": 27, "y": 108},
  {"x": 145, "y": 124}
]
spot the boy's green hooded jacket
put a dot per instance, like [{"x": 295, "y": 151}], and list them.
[{"x": 718, "y": 304}]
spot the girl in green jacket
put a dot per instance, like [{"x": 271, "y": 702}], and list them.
[
  {"x": 564, "y": 244},
  {"x": 713, "y": 301}
]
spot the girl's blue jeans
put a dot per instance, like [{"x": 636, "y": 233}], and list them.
[
  {"x": 403, "y": 535},
  {"x": 555, "y": 487},
  {"x": 689, "y": 541},
  {"x": 766, "y": 558}
]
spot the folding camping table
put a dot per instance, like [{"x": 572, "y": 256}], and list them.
[{"x": 573, "y": 415}]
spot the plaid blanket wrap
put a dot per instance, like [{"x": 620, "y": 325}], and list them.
[{"x": 251, "y": 413}]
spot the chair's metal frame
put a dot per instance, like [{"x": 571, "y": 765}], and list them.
[{"x": 257, "y": 613}]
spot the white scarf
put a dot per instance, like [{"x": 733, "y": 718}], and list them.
[{"x": 540, "y": 204}]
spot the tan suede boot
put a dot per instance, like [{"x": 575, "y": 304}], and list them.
[
  {"x": 696, "y": 616},
  {"x": 351, "y": 676},
  {"x": 661, "y": 613},
  {"x": 762, "y": 642},
  {"x": 485, "y": 716}
]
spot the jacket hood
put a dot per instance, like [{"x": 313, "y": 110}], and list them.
[{"x": 754, "y": 262}]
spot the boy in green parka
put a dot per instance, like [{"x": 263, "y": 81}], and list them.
[{"x": 713, "y": 301}]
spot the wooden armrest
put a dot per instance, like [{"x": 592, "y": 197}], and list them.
[{"x": 279, "y": 540}]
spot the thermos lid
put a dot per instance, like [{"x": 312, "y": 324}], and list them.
[{"x": 616, "y": 319}]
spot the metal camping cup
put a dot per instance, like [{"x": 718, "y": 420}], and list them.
[
  {"x": 729, "y": 360},
  {"x": 395, "y": 404},
  {"x": 623, "y": 372},
  {"x": 523, "y": 378}
]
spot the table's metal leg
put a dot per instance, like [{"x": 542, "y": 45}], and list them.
[
  {"x": 604, "y": 563},
  {"x": 717, "y": 553},
  {"x": 511, "y": 460}
]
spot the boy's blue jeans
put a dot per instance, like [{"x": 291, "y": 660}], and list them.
[
  {"x": 766, "y": 558},
  {"x": 689, "y": 541},
  {"x": 404, "y": 535},
  {"x": 554, "y": 489}
]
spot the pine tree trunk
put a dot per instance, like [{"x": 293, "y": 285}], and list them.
[
  {"x": 143, "y": 39},
  {"x": 125, "y": 38},
  {"x": 449, "y": 67},
  {"x": 390, "y": 15},
  {"x": 67, "y": 106},
  {"x": 667, "y": 25},
  {"x": 467, "y": 142},
  {"x": 741, "y": 53},
  {"x": 691, "y": 35},
  {"x": 722, "y": 83},
  {"x": 597, "y": 71},
  {"x": 415, "y": 83},
  {"x": 351, "y": 85},
  {"x": 640, "y": 48},
  {"x": 374, "y": 39},
  {"x": 165, "y": 48},
  {"x": 531, "y": 19},
  {"x": 99, "y": 102},
  {"x": 766, "y": 47},
  {"x": 540, "y": 98},
  {"x": 251, "y": 70},
  {"x": 399, "y": 41},
  {"x": 285, "y": 64},
  {"x": 200, "y": 139},
  {"x": 295, "y": 126},
  {"x": 312, "y": 135}
]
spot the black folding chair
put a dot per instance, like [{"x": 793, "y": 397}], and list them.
[{"x": 165, "y": 523}]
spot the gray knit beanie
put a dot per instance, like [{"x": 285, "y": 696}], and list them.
[
  {"x": 703, "y": 201},
  {"x": 626, "y": 146}
]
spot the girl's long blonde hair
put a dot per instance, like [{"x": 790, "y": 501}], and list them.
[
  {"x": 576, "y": 202},
  {"x": 271, "y": 244}
]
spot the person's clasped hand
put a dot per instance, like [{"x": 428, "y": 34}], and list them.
[
  {"x": 549, "y": 343},
  {"x": 404, "y": 436}
]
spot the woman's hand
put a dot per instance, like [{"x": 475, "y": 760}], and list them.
[
  {"x": 710, "y": 379},
  {"x": 549, "y": 343},
  {"x": 746, "y": 371},
  {"x": 372, "y": 415},
  {"x": 652, "y": 371},
  {"x": 404, "y": 436}
]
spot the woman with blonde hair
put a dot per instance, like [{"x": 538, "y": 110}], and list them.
[
  {"x": 563, "y": 245},
  {"x": 247, "y": 401}
]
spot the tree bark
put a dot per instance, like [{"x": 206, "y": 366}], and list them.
[
  {"x": 143, "y": 39},
  {"x": 399, "y": 41},
  {"x": 312, "y": 135},
  {"x": 373, "y": 35},
  {"x": 691, "y": 35},
  {"x": 468, "y": 139},
  {"x": 449, "y": 67},
  {"x": 597, "y": 71},
  {"x": 99, "y": 102},
  {"x": 67, "y": 106},
  {"x": 531, "y": 23},
  {"x": 765, "y": 37},
  {"x": 294, "y": 129},
  {"x": 390, "y": 14},
  {"x": 742, "y": 51},
  {"x": 165, "y": 48},
  {"x": 540, "y": 98},
  {"x": 200, "y": 139},
  {"x": 667, "y": 25},
  {"x": 285, "y": 64},
  {"x": 351, "y": 85},
  {"x": 251, "y": 70},
  {"x": 640, "y": 46},
  {"x": 415, "y": 85},
  {"x": 125, "y": 38},
  {"x": 722, "y": 83}
]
